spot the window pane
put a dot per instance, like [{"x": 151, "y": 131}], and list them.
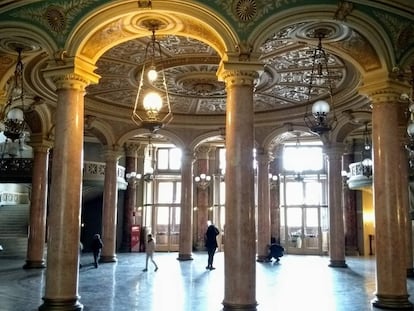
[
  {"x": 177, "y": 198},
  {"x": 163, "y": 215},
  {"x": 294, "y": 217},
  {"x": 300, "y": 159},
  {"x": 312, "y": 218},
  {"x": 175, "y": 159},
  {"x": 165, "y": 192},
  {"x": 294, "y": 193},
  {"x": 222, "y": 193},
  {"x": 162, "y": 162},
  {"x": 313, "y": 193},
  {"x": 222, "y": 160}
]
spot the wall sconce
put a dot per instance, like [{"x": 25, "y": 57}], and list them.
[
  {"x": 202, "y": 181},
  {"x": 273, "y": 181},
  {"x": 133, "y": 177}
]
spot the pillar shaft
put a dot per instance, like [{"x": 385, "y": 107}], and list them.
[
  {"x": 263, "y": 207},
  {"x": 336, "y": 215},
  {"x": 62, "y": 275},
  {"x": 239, "y": 263},
  {"x": 38, "y": 206},
  {"x": 109, "y": 209},
  {"x": 389, "y": 202},
  {"x": 130, "y": 196},
  {"x": 186, "y": 224}
]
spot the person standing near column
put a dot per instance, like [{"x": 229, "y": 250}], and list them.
[
  {"x": 150, "y": 249},
  {"x": 211, "y": 243},
  {"x": 97, "y": 245}
]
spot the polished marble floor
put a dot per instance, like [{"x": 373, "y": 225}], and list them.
[{"x": 296, "y": 283}]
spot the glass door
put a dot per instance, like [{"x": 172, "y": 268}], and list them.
[
  {"x": 303, "y": 217},
  {"x": 167, "y": 228}
]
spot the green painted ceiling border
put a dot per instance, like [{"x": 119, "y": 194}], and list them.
[{"x": 58, "y": 17}]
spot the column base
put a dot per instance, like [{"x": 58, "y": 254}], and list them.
[
  {"x": 410, "y": 273},
  {"x": 51, "y": 304},
  {"x": 392, "y": 302},
  {"x": 338, "y": 264},
  {"x": 108, "y": 259},
  {"x": 183, "y": 257},
  {"x": 34, "y": 264},
  {"x": 262, "y": 259},
  {"x": 239, "y": 307}
]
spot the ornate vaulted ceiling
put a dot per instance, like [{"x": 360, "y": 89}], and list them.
[{"x": 281, "y": 90}]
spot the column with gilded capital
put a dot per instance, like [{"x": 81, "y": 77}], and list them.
[
  {"x": 38, "y": 206},
  {"x": 389, "y": 197},
  {"x": 62, "y": 275},
  {"x": 336, "y": 214},
  {"x": 186, "y": 216},
  {"x": 263, "y": 205},
  {"x": 240, "y": 263},
  {"x": 130, "y": 195},
  {"x": 110, "y": 203}
]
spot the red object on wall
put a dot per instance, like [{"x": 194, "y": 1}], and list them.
[{"x": 135, "y": 232}]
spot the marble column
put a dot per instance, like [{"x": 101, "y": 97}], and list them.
[
  {"x": 130, "y": 195},
  {"x": 350, "y": 213},
  {"x": 186, "y": 224},
  {"x": 336, "y": 213},
  {"x": 239, "y": 262},
  {"x": 389, "y": 201},
  {"x": 275, "y": 200},
  {"x": 263, "y": 208},
  {"x": 202, "y": 195},
  {"x": 110, "y": 204},
  {"x": 38, "y": 206},
  {"x": 62, "y": 274}
]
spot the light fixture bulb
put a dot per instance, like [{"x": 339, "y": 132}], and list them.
[
  {"x": 15, "y": 114},
  {"x": 152, "y": 74},
  {"x": 410, "y": 129},
  {"x": 320, "y": 107},
  {"x": 152, "y": 102}
]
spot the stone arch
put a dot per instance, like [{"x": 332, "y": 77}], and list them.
[
  {"x": 114, "y": 24},
  {"x": 357, "y": 25},
  {"x": 100, "y": 129},
  {"x": 205, "y": 137},
  {"x": 172, "y": 137}
]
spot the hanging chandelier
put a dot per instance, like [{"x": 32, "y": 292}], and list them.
[
  {"x": 12, "y": 115},
  {"x": 320, "y": 116},
  {"x": 410, "y": 128},
  {"x": 152, "y": 109}
]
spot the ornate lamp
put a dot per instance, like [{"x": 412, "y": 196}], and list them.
[
  {"x": 367, "y": 154},
  {"x": 320, "y": 118},
  {"x": 152, "y": 109},
  {"x": 202, "y": 181},
  {"x": 12, "y": 115},
  {"x": 410, "y": 127},
  {"x": 133, "y": 177}
]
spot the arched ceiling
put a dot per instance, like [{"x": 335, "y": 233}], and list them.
[{"x": 198, "y": 99}]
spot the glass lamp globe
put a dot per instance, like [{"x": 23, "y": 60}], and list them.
[
  {"x": 410, "y": 129},
  {"x": 15, "y": 114},
  {"x": 152, "y": 102},
  {"x": 320, "y": 107},
  {"x": 152, "y": 74},
  {"x": 367, "y": 162}
]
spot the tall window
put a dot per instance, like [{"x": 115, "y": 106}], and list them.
[{"x": 168, "y": 159}]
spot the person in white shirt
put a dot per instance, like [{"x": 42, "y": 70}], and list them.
[{"x": 150, "y": 249}]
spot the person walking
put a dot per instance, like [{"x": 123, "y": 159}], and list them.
[
  {"x": 96, "y": 246},
  {"x": 211, "y": 243},
  {"x": 149, "y": 250}
]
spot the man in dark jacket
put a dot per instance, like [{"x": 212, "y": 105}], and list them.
[
  {"x": 211, "y": 244},
  {"x": 96, "y": 248}
]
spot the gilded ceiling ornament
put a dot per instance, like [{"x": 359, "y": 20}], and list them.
[
  {"x": 245, "y": 10},
  {"x": 55, "y": 18}
]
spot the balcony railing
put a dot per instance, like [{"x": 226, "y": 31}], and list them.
[{"x": 360, "y": 176}]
